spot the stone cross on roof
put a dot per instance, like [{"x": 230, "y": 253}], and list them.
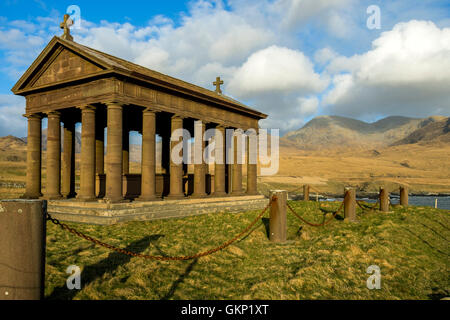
[
  {"x": 217, "y": 83},
  {"x": 66, "y": 26}
]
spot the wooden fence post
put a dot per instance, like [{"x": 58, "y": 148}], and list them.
[
  {"x": 350, "y": 204},
  {"x": 22, "y": 249},
  {"x": 306, "y": 192},
  {"x": 277, "y": 223},
  {"x": 403, "y": 196},
  {"x": 384, "y": 200}
]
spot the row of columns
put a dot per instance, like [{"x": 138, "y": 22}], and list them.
[{"x": 92, "y": 155}]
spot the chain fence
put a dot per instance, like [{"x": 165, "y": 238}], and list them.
[
  {"x": 324, "y": 222},
  {"x": 151, "y": 257}
]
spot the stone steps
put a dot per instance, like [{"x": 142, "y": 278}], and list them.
[{"x": 104, "y": 213}]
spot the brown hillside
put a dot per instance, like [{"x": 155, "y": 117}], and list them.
[
  {"x": 433, "y": 132},
  {"x": 333, "y": 132}
]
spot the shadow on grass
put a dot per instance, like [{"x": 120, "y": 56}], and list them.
[
  {"x": 266, "y": 222},
  {"x": 180, "y": 280},
  {"x": 438, "y": 294},
  {"x": 109, "y": 264}
]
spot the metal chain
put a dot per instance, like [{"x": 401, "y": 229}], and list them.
[
  {"x": 371, "y": 208},
  {"x": 150, "y": 257},
  {"x": 316, "y": 224}
]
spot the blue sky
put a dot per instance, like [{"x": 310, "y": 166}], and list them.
[{"x": 292, "y": 59}]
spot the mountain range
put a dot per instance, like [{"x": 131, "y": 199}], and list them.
[
  {"x": 335, "y": 132},
  {"x": 325, "y": 133}
]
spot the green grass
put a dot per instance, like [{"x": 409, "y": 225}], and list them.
[{"x": 410, "y": 245}]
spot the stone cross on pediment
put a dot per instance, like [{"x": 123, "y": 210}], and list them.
[
  {"x": 217, "y": 83},
  {"x": 65, "y": 25}
]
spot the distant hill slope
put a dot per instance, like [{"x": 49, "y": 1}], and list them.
[
  {"x": 432, "y": 132},
  {"x": 343, "y": 133},
  {"x": 11, "y": 143}
]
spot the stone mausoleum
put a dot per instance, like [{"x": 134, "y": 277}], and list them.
[{"x": 70, "y": 83}]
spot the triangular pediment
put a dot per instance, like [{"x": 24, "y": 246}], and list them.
[
  {"x": 65, "y": 65},
  {"x": 58, "y": 63}
]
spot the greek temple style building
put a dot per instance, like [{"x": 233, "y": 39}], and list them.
[{"x": 69, "y": 83}]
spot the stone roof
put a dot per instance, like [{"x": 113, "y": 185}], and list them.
[{"x": 136, "y": 71}]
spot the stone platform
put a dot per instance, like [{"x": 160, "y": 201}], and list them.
[{"x": 112, "y": 213}]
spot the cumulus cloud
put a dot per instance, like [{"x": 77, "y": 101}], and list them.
[
  {"x": 11, "y": 120},
  {"x": 280, "y": 57},
  {"x": 406, "y": 72},
  {"x": 276, "y": 69}
]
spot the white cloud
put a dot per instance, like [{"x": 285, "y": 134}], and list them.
[
  {"x": 262, "y": 50},
  {"x": 11, "y": 119},
  {"x": 308, "y": 106},
  {"x": 406, "y": 72},
  {"x": 276, "y": 69},
  {"x": 298, "y": 12},
  {"x": 324, "y": 55}
]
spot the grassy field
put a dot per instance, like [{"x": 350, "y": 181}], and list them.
[{"x": 410, "y": 245}]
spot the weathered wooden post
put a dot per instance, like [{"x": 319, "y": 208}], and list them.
[
  {"x": 384, "y": 200},
  {"x": 306, "y": 192},
  {"x": 350, "y": 204},
  {"x": 22, "y": 249},
  {"x": 277, "y": 223},
  {"x": 403, "y": 196}
]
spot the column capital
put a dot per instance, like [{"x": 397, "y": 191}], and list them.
[
  {"x": 87, "y": 108},
  {"x": 53, "y": 114},
  {"x": 33, "y": 116},
  {"x": 177, "y": 117},
  {"x": 114, "y": 105},
  {"x": 150, "y": 110},
  {"x": 221, "y": 126}
]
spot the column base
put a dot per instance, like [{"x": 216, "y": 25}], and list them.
[
  {"x": 114, "y": 200},
  {"x": 52, "y": 197},
  {"x": 86, "y": 198},
  {"x": 147, "y": 198},
  {"x": 219, "y": 194},
  {"x": 237, "y": 193},
  {"x": 252, "y": 193},
  {"x": 199, "y": 196},
  {"x": 175, "y": 197}
]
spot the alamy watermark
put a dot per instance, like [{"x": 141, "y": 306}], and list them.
[
  {"x": 374, "y": 281},
  {"x": 236, "y": 146},
  {"x": 374, "y": 20},
  {"x": 75, "y": 16},
  {"x": 74, "y": 280}
]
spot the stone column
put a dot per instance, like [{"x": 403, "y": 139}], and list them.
[
  {"x": 199, "y": 163},
  {"x": 99, "y": 147},
  {"x": 252, "y": 158},
  {"x": 68, "y": 160},
  {"x": 219, "y": 164},
  {"x": 114, "y": 153},
  {"x": 176, "y": 169},
  {"x": 87, "y": 172},
  {"x": 100, "y": 156},
  {"x": 148, "y": 162},
  {"x": 126, "y": 149},
  {"x": 237, "y": 165},
  {"x": 33, "y": 183},
  {"x": 53, "y": 187}
]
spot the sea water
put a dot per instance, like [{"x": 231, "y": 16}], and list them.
[{"x": 443, "y": 202}]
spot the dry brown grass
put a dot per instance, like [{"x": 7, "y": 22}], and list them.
[{"x": 422, "y": 168}]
